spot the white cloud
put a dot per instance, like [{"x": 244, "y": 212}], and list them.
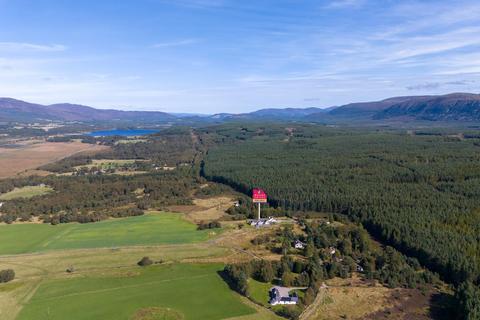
[
  {"x": 177, "y": 43},
  {"x": 198, "y": 4},
  {"x": 27, "y": 47},
  {"x": 345, "y": 3}
]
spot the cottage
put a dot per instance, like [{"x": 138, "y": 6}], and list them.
[
  {"x": 272, "y": 220},
  {"x": 280, "y": 295},
  {"x": 299, "y": 244},
  {"x": 262, "y": 222}
]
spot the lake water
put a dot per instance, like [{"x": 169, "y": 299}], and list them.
[{"x": 124, "y": 133}]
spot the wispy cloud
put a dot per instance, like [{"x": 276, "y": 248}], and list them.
[
  {"x": 177, "y": 43},
  {"x": 427, "y": 86},
  {"x": 197, "y": 4},
  {"x": 23, "y": 46},
  {"x": 345, "y": 3}
]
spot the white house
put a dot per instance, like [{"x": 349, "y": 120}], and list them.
[
  {"x": 280, "y": 295},
  {"x": 299, "y": 244},
  {"x": 262, "y": 222}
]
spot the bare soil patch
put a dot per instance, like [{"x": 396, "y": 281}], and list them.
[
  {"x": 37, "y": 153},
  {"x": 205, "y": 209}
]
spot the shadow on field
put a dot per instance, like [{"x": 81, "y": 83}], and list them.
[{"x": 227, "y": 280}]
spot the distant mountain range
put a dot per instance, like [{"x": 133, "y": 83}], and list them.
[
  {"x": 17, "y": 110},
  {"x": 450, "y": 107}
]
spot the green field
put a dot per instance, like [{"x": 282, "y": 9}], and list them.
[
  {"x": 259, "y": 291},
  {"x": 110, "y": 164},
  {"x": 26, "y": 192},
  {"x": 150, "y": 229},
  {"x": 183, "y": 291}
]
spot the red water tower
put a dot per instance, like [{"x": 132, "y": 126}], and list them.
[{"x": 259, "y": 196}]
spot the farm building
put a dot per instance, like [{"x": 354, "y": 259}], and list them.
[{"x": 280, "y": 295}]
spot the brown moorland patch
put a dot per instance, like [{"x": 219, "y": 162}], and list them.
[{"x": 37, "y": 153}]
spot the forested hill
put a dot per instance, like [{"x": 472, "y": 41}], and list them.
[{"x": 419, "y": 193}]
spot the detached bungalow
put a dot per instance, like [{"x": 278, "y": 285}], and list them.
[
  {"x": 262, "y": 222},
  {"x": 280, "y": 295},
  {"x": 299, "y": 244}
]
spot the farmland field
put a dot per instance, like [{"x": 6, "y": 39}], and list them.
[
  {"x": 157, "y": 290},
  {"x": 150, "y": 229},
  {"x": 26, "y": 192},
  {"x": 37, "y": 153},
  {"x": 259, "y": 291},
  {"x": 109, "y": 164}
]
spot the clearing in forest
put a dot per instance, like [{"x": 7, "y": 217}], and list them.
[
  {"x": 205, "y": 209},
  {"x": 153, "y": 228},
  {"x": 26, "y": 192},
  {"x": 110, "y": 163}
]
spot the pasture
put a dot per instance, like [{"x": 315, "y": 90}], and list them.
[
  {"x": 177, "y": 291},
  {"x": 153, "y": 228},
  {"x": 26, "y": 192},
  {"x": 109, "y": 163},
  {"x": 259, "y": 291}
]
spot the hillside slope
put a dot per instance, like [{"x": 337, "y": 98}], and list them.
[
  {"x": 17, "y": 110},
  {"x": 449, "y": 107},
  {"x": 456, "y": 106}
]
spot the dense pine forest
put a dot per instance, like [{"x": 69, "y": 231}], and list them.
[{"x": 419, "y": 192}]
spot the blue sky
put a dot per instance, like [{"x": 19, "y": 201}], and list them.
[{"x": 209, "y": 56}]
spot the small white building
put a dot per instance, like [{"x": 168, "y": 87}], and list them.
[
  {"x": 262, "y": 222},
  {"x": 299, "y": 244},
  {"x": 281, "y": 295}
]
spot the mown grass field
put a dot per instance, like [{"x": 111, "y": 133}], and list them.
[
  {"x": 193, "y": 291},
  {"x": 26, "y": 192},
  {"x": 259, "y": 291},
  {"x": 152, "y": 228}
]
